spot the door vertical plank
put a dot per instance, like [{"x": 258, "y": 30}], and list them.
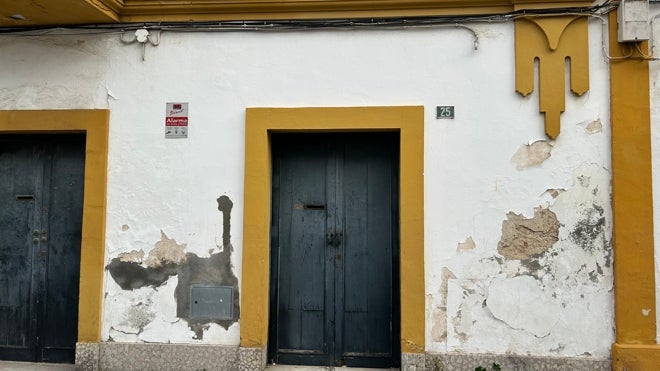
[
  {"x": 62, "y": 243},
  {"x": 311, "y": 219},
  {"x": 301, "y": 202},
  {"x": 332, "y": 215},
  {"x": 379, "y": 236},
  {"x": 22, "y": 164},
  {"x": 356, "y": 290},
  {"x": 287, "y": 315}
]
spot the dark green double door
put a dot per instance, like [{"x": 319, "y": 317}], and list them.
[
  {"x": 41, "y": 198},
  {"x": 334, "y": 250}
]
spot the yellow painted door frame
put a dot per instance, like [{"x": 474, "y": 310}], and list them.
[
  {"x": 94, "y": 123},
  {"x": 632, "y": 204},
  {"x": 409, "y": 121}
]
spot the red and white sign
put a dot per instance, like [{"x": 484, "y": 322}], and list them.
[{"x": 176, "y": 120}]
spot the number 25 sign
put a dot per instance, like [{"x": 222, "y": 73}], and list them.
[{"x": 444, "y": 112}]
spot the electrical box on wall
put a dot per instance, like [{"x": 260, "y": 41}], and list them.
[
  {"x": 633, "y": 20},
  {"x": 211, "y": 302}
]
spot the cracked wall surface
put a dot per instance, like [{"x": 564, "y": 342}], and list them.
[
  {"x": 491, "y": 166},
  {"x": 537, "y": 279},
  {"x": 543, "y": 279}
]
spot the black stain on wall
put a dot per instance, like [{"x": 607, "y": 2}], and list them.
[
  {"x": 216, "y": 270},
  {"x": 131, "y": 275},
  {"x": 588, "y": 230}
]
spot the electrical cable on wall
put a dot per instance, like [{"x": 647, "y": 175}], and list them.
[
  {"x": 598, "y": 11},
  {"x": 313, "y": 24}
]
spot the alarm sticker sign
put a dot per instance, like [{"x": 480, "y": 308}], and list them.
[{"x": 176, "y": 120}]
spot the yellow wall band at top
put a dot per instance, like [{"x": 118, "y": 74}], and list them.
[
  {"x": 409, "y": 121},
  {"x": 95, "y": 124}
]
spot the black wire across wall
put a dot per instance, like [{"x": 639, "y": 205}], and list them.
[{"x": 315, "y": 24}]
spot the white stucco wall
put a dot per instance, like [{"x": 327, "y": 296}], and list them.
[{"x": 559, "y": 303}]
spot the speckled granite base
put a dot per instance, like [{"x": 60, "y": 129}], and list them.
[
  {"x": 140, "y": 356},
  {"x": 468, "y": 362},
  {"x": 252, "y": 359},
  {"x": 413, "y": 362},
  {"x": 87, "y": 356}
]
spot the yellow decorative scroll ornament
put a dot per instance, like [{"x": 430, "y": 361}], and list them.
[{"x": 552, "y": 40}]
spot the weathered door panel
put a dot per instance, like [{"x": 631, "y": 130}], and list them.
[
  {"x": 20, "y": 177},
  {"x": 334, "y": 298},
  {"x": 61, "y": 243},
  {"x": 370, "y": 223},
  {"x": 301, "y": 228},
  {"x": 41, "y": 190}
]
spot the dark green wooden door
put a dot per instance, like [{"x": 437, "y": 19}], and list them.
[
  {"x": 334, "y": 250},
  {"x": 41, "y": 198}
]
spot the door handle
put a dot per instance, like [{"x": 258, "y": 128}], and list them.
[
  {"x": 330, "y": 238},
  {"x": 333, "y": 238},
  {"x": 338, "y": 237}
]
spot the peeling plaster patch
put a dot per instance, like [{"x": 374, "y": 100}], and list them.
[
  {"x": 132, "y": 256},
  {"x": 166, "y": 251},
  {"x": 520, "y": 303},
  {"x": 110, "y": 94},
  {"x": 468, "y": 244},
  {"x": 594, "y": 127},
  {"x": 646, "y": 312},
  {"x": 445, "y": 276},
  {"x": 457, "y": 322},
  {"x": 198, "y": 329},
  {"x": 168, "y": 259},
  {"x": 525, "y": 238},
  {"x": 439, "y": 314},
  {"x": 439, "y": 321},
  {"x": 121, "y": 336},
  {"x": 554, "y": 192},
  {"x": 535, "y": 268},
  {"x": 531, "y": 154},
  {"x": 470, "y": 326},
  {"x": 584, "y": 180},
  {"x": 138, "y": 316},
  {"x": 566, "y": 283}
]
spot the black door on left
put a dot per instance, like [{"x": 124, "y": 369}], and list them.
[{"x": 41, "y": 200}]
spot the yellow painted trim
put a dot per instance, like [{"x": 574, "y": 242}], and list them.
[
  {"x": 632, "y": 204},
  {"x": 56, "y": 12},
  {"x": 409, "y": 121},
  {"x": 636, "y": 357},
  {"x": 278, "y": 9},
  {"x": 95, "y": 124},
  {"x": 62, "y": 12},
  {"x": 551, "y": 40}
]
